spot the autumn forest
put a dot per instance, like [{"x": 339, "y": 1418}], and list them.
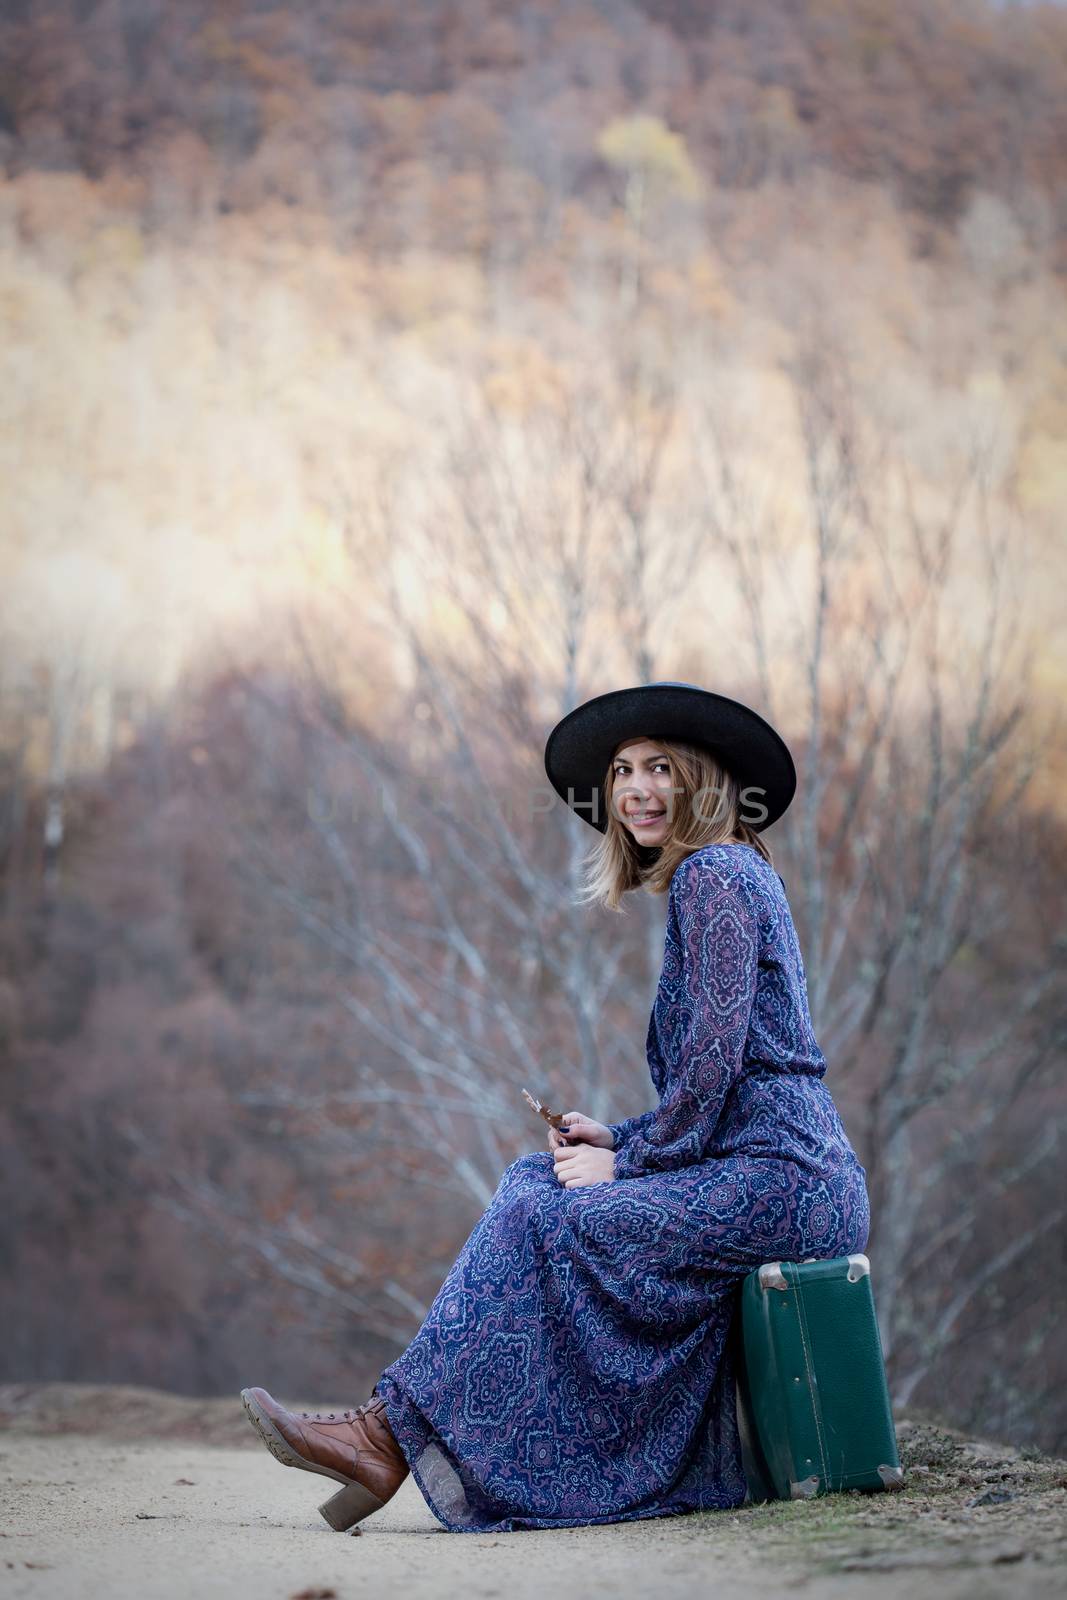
[{"x": 380, "y": 381}]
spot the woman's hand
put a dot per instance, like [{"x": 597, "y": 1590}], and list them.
[
  {"x": 583, "y": 1164},
  {"x": 580, "y": 1130}
]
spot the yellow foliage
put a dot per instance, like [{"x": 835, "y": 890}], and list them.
[
  {"x": 117, "y": 247},
  {"x": 1042, "y": 472},
  {"x": 424, "y": 286},
  {"x": 709, "y": 290},
  {"x": 215, "y": 43},
  {"x": 522, "y": 378},
  {"x": 259, "y": 66},
  {"x": 450, "y": 338},
  {"x": 320, "y": 540},
  {"x": 645, "y": 145}
]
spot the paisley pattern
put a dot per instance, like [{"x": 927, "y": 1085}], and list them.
[{"x": 577, "y": 1364}]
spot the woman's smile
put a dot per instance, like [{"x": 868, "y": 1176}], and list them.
[{"x": 639, "y": 771}]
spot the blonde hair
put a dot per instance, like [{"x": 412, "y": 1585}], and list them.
[{"x": 704, "y": 809}]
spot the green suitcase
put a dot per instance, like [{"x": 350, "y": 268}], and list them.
[{"x": 813, "y": 1405}]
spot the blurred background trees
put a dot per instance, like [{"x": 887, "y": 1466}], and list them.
[{"x": 380, "y": 382}]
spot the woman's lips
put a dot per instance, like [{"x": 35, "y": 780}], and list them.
[{"x": 646, "y": 821}]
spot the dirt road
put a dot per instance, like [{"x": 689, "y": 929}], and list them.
[{"x": 171, "y": 1501}]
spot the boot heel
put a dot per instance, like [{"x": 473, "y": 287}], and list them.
[{"x": 349, "y": 1506}]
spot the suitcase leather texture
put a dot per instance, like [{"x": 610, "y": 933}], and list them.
[{"x": 813, "y": 1404}]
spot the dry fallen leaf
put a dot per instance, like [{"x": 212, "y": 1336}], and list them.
[{"x": 555, "y": 1118}]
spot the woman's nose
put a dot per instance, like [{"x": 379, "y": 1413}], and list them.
[{"x": 639, "y": 792}]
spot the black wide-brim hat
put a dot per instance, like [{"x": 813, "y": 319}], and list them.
[{"x": 581, "y": 745}]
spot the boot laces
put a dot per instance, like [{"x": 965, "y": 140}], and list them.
[{"x": 374, "y": 1405}]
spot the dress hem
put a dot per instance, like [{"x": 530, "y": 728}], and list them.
[{"x": 517, "y": 1522}]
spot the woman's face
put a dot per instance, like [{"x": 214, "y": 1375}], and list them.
[{"x": 641, "y": 790}]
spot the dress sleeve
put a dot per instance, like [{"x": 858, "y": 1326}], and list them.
[
  {"x": 701, "y": 1016},
  {"x": 628, "y": 1127}
]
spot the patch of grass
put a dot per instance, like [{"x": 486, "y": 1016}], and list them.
[{"x": 940, "y": 1517}]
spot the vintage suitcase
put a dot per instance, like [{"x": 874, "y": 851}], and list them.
[{"x": 812, "y": 1401}]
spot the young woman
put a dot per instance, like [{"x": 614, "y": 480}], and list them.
[{"x": 577, "y": 1364}]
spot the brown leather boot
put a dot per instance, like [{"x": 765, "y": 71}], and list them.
[{"x": 355, "y": 1447}]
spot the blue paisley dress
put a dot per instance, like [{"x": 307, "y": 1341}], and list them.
[{"x": 578, "y": 1362}]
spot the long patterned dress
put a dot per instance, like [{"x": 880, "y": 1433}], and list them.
[{"x": 578, "y": 1363}]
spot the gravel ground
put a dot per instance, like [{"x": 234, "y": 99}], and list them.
[{"x": 124, "y": 1492}]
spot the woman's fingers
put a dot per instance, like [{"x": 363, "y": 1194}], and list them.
[{"x": 566, "y": 1169}]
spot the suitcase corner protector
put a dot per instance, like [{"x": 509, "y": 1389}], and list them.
[
  {"x": 858, "y": 1267},
  {"x": 805, "y": 1488},
  {"x": 771, "y": 1276},
  {"x": 892, "y": 1477}
]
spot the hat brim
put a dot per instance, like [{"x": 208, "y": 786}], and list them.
[{"x": 580, "y": 746}]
